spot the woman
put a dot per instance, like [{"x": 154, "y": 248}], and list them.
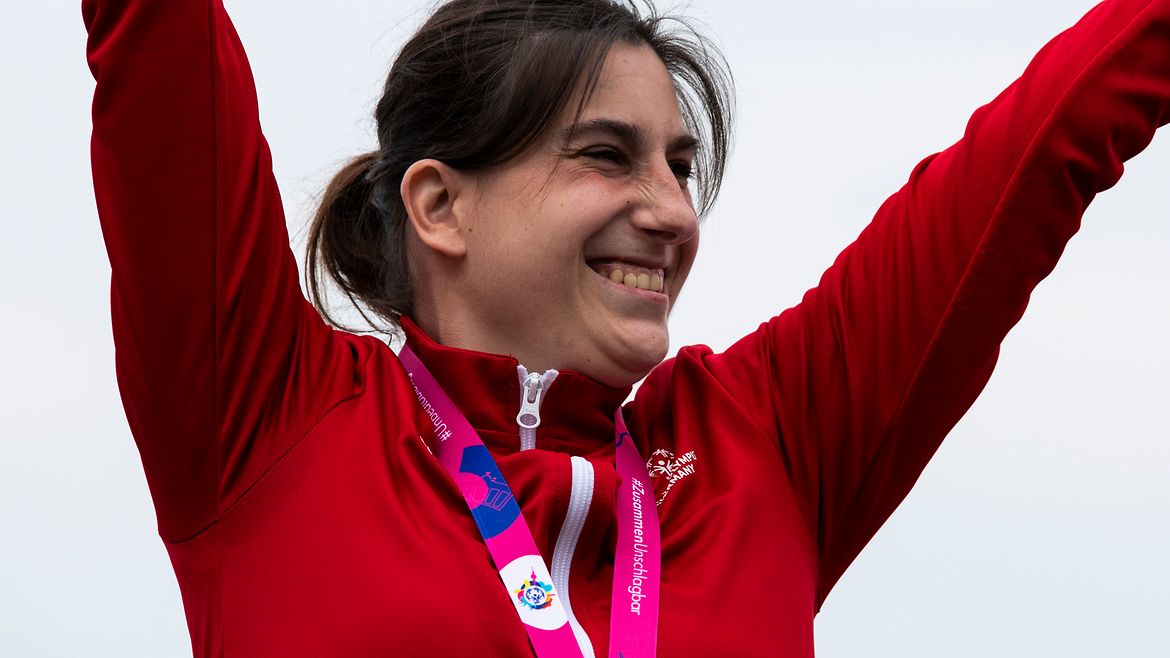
[{"x": 528, "y": 212}]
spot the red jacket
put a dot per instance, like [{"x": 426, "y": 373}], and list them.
[{"x": 288, "y": 463}]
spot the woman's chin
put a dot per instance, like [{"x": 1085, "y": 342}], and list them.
[{"x": 631, "y": 359}]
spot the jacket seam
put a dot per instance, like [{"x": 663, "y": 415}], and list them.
[
  {"x": 215, "y": 148},
  {"x": 213, "y": 95}
]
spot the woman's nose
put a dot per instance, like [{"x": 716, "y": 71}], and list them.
[{"x": 665, "y": 207}]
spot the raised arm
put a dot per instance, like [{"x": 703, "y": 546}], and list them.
[
  {"x": 222, "y": 364},
  {"x": 880, "y": 360}
]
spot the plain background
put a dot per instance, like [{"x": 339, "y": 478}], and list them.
[{"x": 1041, "y": 527}]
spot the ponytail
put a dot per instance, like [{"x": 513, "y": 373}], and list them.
[{"x": 357, "y": 239}]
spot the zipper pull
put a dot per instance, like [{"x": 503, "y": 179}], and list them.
[
  {"x": 530, "y": 394},
  {"x": 532, "y": 388}
]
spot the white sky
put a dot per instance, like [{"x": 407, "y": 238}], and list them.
[{"x": 1040, "y": 529}]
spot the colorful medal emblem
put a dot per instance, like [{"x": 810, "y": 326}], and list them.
[{"x": 534, "y": 594}]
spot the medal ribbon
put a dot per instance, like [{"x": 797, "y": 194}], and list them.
[{"x": 637, "y": 560}]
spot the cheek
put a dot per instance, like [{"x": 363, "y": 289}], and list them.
[
  {"x": 591, "y": 189},
  {"x": 505, "y": 234},
  {"x": 539, "y": 243}
]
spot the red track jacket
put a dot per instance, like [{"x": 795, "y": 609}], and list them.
[{"x": 288, "y": 463}]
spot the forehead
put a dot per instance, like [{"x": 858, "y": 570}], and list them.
[{"x": 634, "y": 87}]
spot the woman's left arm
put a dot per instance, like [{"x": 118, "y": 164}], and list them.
[{"x": 860, "y": 382}]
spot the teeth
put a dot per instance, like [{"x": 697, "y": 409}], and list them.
[{"x": 640, "y": 280}]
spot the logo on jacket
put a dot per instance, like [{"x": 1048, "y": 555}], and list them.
[
  {"x": 666, "y": 470},
  {"x": 535, "y": 594}
]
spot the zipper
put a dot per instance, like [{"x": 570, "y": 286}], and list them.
[
  {"x": 533, "y": 387},
  {"x": 580, "y": 497}
]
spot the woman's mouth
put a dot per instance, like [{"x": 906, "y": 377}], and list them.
[{"x": 632, "y": 275}]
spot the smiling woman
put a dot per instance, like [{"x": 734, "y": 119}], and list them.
[
  {"x": 528, "y": 223},
  {"x": 597, "y": 198}
]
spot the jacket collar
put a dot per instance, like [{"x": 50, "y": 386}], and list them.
[{"x": 576, "y": 415}]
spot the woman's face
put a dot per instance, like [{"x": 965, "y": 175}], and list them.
[{"x": 577, "y": 249}]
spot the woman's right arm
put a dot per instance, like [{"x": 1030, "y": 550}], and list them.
[{"x": 222, "y": 364}]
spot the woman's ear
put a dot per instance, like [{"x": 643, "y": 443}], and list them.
[{"x": 432, "y": 193}]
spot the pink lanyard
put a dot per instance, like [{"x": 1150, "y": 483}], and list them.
[{"x": 633, "y": 629}]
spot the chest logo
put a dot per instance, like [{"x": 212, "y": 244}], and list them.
[
  {"x": 535, "y": 594},
  {"x": 666, "y": 470}
]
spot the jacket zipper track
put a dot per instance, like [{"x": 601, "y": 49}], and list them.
[
  {"x": 580, "y": 498},
  {"x": 533, "y": 386}
]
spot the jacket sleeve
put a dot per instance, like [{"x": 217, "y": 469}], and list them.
[
  {"x": 879, "y": 361},
  {"x": 222, "y": 364}
]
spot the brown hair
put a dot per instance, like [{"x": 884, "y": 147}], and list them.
[{"x": 478, "y": 83}]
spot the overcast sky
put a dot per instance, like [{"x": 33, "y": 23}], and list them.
[{"x": 1042, "y": 526}]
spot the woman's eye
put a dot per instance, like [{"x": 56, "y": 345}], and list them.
[
  {"x": 683, "y": 169},
  {"x": 608, "y": 155}
]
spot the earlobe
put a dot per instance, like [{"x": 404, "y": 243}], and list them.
[{"x": 430, "y": 191}]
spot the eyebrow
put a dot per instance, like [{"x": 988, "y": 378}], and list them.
[{"x": 627, "y": 132}]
